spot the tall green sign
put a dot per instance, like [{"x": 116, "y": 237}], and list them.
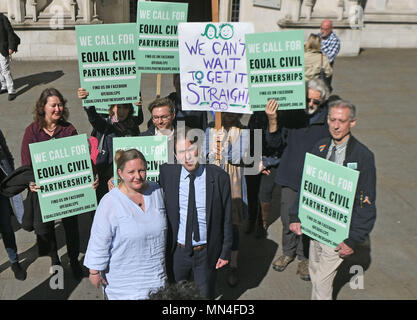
[
  {"x": 275, "y": 63},
  {"x": 157, "y": 28},
  {"x": 154, "y": 148},
  {"x": 327, "y": 195},
  {"x": 63, "y": 170},
  {"x": 107, "y": 64}
]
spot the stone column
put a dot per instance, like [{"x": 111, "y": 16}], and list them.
[
  {"x": 34, "y": 10},
  {"x": 340, "y": 9},
  {"x": 294, "y": 9},
  {"x": 309, "y": 4}
]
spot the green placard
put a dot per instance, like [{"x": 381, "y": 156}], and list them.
[
  {"x": 154, "y": 148},
  {"x": 107, "y": 64},
  {"x": 157, "y": 28},
  {"x": 275, "y": 63},
  {"x": 63, "y": 170},
  {"x": 327, "y": 195}
]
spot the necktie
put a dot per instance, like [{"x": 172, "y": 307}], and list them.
[
  {"x": 333, "y": 154},
  {"x": 192, "y": 219}
]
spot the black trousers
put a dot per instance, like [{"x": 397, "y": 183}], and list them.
[
  {"x": 47, "y": 245},
  {"x": 204, "y": 277}
]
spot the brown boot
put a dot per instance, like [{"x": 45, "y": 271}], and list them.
[
  {"x": 265, "y": 209},
  {"x": 302, "y": 270}
]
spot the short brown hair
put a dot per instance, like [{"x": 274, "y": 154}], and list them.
[
  {"x": 162, "y": 102},
  {"x": 39, "y": 111}
]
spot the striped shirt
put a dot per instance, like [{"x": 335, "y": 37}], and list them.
[{"x": 330, "y": 46}]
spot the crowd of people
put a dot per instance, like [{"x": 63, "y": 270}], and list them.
[{"x": 145, "y": 234}]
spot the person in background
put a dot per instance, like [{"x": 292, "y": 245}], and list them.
[
  {"x": 120, "y": 123},
  {"x": 295, "y": 135},
  {"x": 6, "y": 229},
  {"x": 191, "y": 119},
  {"x": 330, "y": 44},
  {"x": 126, "y": 250},
  {"x": 8, "y": 46},
  {"x": 232, "y": 147},
  {"x": 315, "y": 60}
]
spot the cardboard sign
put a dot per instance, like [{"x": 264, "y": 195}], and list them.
[
  {"x": 213, "y": 66},
  {"x": 327, "y": 195},
  {"x": 275, "y": 62},
  {"x": 107, "y": 64},
  {"x": 63, "y": 170},
  {"x": 157, "y": 27},
  {"x": 154, "y": 148}
]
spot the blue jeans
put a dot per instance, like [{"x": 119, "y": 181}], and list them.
[{"x": 6, "y": 229}]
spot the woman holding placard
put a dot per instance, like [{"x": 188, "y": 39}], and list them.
[
  {"x": 50, "y": 122},
  {"x": 120, "y": 123},
  {"x": 126, "y": 250}
]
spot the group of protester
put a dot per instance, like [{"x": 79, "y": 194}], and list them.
[{"x": 146, "y": 234}]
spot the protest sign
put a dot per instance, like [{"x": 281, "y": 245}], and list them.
[
  {"x": 154, "y": 148},
  {"x": 213, "y": 66},
  {"x": 327, "y": 195},
  {"x": 275, "y": 62},
  {"x": 157, "y": 27},
  {"x": 63, "y": 170},
  {"x": 107, "y": 64}
]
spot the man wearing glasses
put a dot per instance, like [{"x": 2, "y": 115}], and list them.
[
  {"x": 162, "y": 115},
  {"x": 296, "y": 131}
]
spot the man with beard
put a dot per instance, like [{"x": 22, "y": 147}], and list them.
[{"x": 297, "y": 133}]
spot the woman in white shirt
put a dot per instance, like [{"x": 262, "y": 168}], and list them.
[{"x": 126, "y": 250}]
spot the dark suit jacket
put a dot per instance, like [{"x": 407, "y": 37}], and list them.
[
  {"x": 218, "y": 211},
  {"x": 363, "y": 214}
]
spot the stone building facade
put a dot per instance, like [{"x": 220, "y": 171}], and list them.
[{"x": 47, "y": 27}]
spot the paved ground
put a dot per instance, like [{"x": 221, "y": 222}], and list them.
[{"x": 382, "y": 85}]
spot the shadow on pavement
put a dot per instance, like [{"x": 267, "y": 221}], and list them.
[
  {"x": 26, "y": 83},
  {"x": 361, "y": 260},
  {"x": 255, "y": 257}
]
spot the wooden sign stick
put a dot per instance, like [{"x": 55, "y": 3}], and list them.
[{"x": 217, "y": 115}]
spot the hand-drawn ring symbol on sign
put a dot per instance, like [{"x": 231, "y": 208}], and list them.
[
  {"x": 226, "y": 31},
  {"x": 218, "y": 105},
  {"x": 199, "y": 75}
]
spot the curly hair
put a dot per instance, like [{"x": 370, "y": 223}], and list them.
[
  {"x": 39, "y": 111},
  {"x": 182, "y": 290}
]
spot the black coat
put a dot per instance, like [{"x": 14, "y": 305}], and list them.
[
  {"x": 7, "y": 38},
  {"x": 297, "y": 135},
  {"x": 363, "y": 214},
  {"x": 218, "y": 211},
  {"x": 17, "y": 182}
]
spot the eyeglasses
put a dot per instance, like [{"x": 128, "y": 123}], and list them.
[
  {"x": 315, "y": 101},
  {"x": 163, "y": 118}
]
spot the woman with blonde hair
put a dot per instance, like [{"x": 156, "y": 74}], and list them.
[
  {"x": 126, "y": 250},
  {"x": 315, "y": 60}
]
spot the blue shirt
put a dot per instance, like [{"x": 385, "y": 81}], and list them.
[
  {"x": 128, "y": 245},
  {"x": 200, "y": 199}
]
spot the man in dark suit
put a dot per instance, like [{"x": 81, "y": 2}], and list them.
[
  {"x": 8, "y": 45},
  {"x": 198, "y": 206}
]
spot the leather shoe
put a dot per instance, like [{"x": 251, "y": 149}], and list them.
[
  {"x": 12, "y": 96},
  {"x": 19, "y": 273},
  {"x": 3, "y": 91}
]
